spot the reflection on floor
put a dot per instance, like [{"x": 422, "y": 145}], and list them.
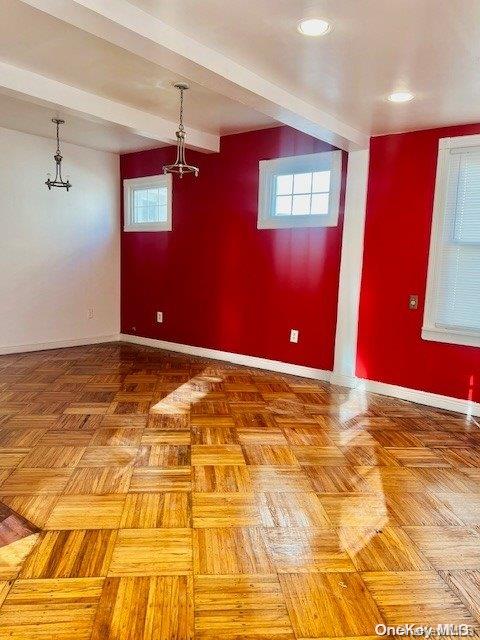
[
  {"x": 182, "y": 498},
  {"x": 13, "y": 527}
]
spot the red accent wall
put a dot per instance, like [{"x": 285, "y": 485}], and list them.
[
  {"x": 220, "y": 282},
  {"x": 397, "y": 239}
]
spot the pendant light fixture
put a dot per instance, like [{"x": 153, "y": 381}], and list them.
[
  {"x": 59, "y": 181},
  {"x": 180, "y": 165}
]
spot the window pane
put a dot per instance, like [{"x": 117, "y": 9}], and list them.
[
  {"x": 162, "y": 196},
  {"x": 140, "y": 198},
  {"x": 149, "y": 205},
  {"x": 152, "y": 212},
  {"x": 153, "y": 196},
  {"x": 320, "y": 203},
  {"x": 284, "y": 185},
  {"x": 459, "y": 302},
  {"x": 301, "y": 205},
  {"x": 283, "y": 205},
  {"x": 302, "y": 183},
  {"x": 162, "y": 213},
  {"x": 321, "y": 181},
  {"x": 140, "y": 214},
  {"x": 467, "y": 200}
]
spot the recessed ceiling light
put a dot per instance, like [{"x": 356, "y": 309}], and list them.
[
  {"x": 314, "y": 27},
  {"x": 401, "y": 96}
]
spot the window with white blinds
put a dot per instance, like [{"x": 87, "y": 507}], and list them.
[{"x": 452, "y": 310}]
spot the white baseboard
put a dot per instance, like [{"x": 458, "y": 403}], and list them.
[
  {"x": 382, "y": 388},
  {"x": 57, "y": 344},
  {"x": 420, "y": 397},
  {"x": 403, "y": 393},
  {"x": 341, "y": 380},
  {"x": 235, "y": 358}
]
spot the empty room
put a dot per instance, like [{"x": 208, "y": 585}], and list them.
[{"x": 239, "y": 319}]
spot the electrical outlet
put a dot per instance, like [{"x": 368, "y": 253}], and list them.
[
  {"x": 159, "y": 316},
  {"x": 91, "y": 313},
  {"x": 413, "y": 302},
  {"x": 293, "y": 335}
]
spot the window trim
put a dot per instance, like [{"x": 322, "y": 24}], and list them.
[
  {"x": 268, "y": 169},
  {"x": 129, "y": 185},
  {"x": 430, "y": 330}
]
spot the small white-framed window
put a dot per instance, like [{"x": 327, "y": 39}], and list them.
[
  {"x": 300, "y": 191},
  {"x": 452, "y": 305},
  {"x": 148, "y": 203}
]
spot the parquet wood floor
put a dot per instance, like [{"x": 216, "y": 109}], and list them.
[{"x": 164, "y": 497}]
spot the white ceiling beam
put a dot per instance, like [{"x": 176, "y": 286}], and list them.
[
  {"x": 125, "y": 25},
  {"x": 36, "y": 88}
]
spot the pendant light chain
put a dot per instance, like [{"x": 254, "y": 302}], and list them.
[
  {"x": 58, "y": 137},
  {"x": 180, "y": 165},
  {"x": 181, "y": 109}
]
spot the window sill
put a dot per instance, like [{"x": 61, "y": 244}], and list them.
[
  {"x": 147, "y": 227},
  {"x": 451, "y": 336},
  {"x": 296, "y": 222}
]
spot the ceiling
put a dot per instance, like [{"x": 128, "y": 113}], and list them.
[
  {"x": 36, "y": 119},
  {"x": 247, "y": 65},
  {"x": 431, "y": 47},
  {"x": 33, "y": 40}
]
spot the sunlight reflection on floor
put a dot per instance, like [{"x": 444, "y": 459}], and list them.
[
  {"x": 180, "y": 400},
  {"x": 361, "y": 513}
]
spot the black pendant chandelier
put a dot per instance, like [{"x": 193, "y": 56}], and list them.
[
  {"x": 59, "y": 181},
  {"x": 180, "y": 165}
]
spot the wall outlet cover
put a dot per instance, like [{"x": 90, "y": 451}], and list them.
[{"x": 413, "y": 301}]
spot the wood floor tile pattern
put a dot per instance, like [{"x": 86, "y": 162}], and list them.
[{"x": 179, "y": 498}]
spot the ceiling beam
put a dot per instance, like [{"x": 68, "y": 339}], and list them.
[
  {"x": 127, "y": 26},
  {"x": 36, "y": 88}
]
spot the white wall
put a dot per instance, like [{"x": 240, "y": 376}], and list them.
[{"x": 59, "y": 251}]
